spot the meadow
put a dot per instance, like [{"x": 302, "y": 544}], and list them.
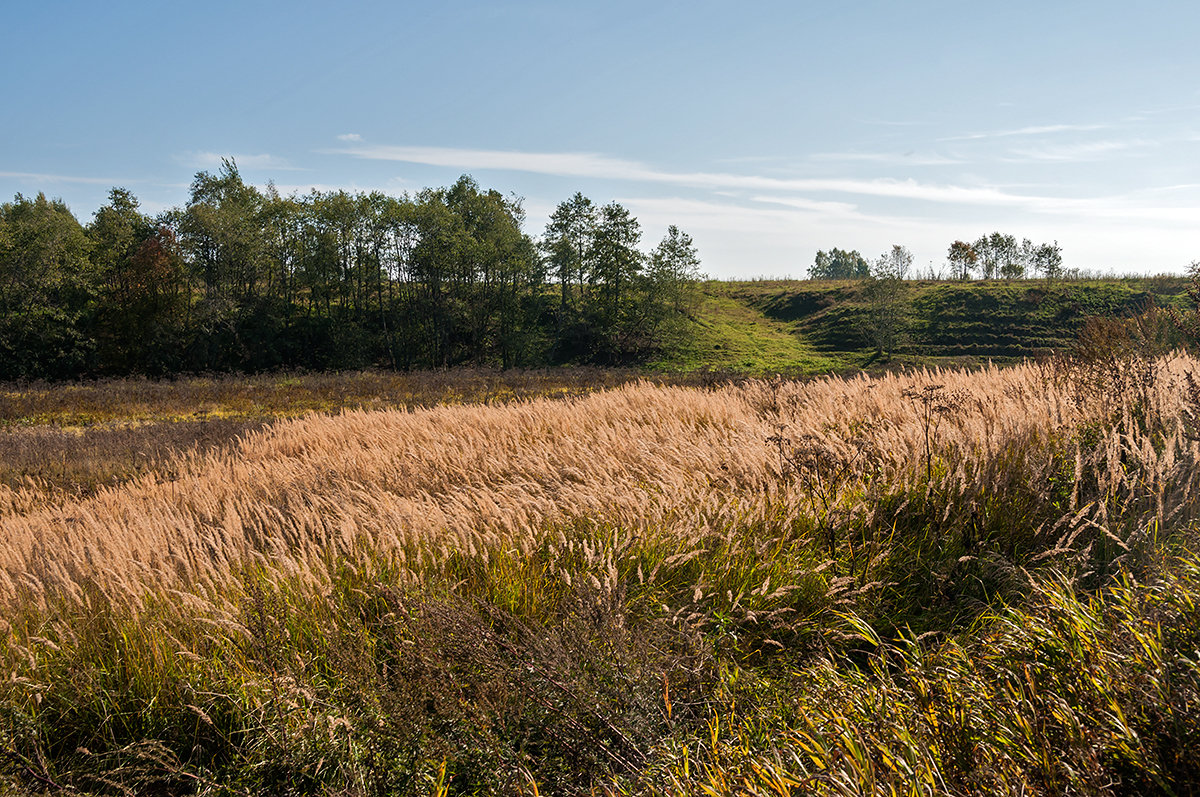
[{"x": 930, "y": 582}]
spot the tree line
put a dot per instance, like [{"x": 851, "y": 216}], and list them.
[
  {"x": 993, "y": 256},
  {"x": 246, "y": 279}
]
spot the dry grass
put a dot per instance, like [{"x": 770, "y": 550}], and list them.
[
  {"x": 283, "y": 395},
  {"x": 78, "y": 461},
  {"x": 75, "y": 438},
  {"x": 423, "y": 485},
  {"x": 546, "y": 590}
]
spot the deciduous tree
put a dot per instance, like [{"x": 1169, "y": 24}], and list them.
[
  {"x": 894, "y": 264},
  {"x": 567, "y": 247},
  {"x": 142, "y": 289},
  {"x": 962, "y": 258},
  {"x": 997, "y": 254},
  {"x": 47, "y": 285},
  {"x": 837, "y": 264}
]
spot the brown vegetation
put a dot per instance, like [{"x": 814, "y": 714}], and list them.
[
  {"x": 565, "y": 591},
  {"x": 471, "y": 478}
]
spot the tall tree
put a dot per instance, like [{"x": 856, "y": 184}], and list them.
[
  {"x": 141, "y": 288},
  {"x": 894, "y": 263},
  {"x": 884, "y": 324},
  {"x": 567, "y": 246},
  {"x": 674, "y": 266},
  {"x": 498, "y": 267},
  {"x": 1047, "y": 260},
  {"x": 616, "y": 264},
  {"x": 221, "y": 232},
  {"x": 47, "y": 286}
]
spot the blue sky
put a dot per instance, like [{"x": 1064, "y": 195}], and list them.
[{"x": 767, "y": 130}]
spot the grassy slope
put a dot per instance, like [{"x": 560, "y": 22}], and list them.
[
  {"x": 801, "y": 326},
  {"x": 728, "y": 333}
]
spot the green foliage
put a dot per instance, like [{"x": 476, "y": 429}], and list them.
[
  {"x": 47, "y": 284},
  {"x": 893, "y": 264},
  {"x": 1073, "y": 693},
  {"x": 962, "y": 258},
  {"x": 246, "y": 279},
  {"x": 837, "y": 264},
  {"x": 999, "y": 256},
  {"x": 567, "y": 246},
  {"x": 142, "y": 288}
]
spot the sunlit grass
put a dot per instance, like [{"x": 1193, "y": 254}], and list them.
[{"x": 751, "y": 588}]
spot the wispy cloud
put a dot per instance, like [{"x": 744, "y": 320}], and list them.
[
  {"x": 1034, "y": 130},
  {"x": 212, "y": 160},
  {"x": 894, "y": 158},
  {"x": 64, "y": 178},
  {"x": 839, "y": 209},
  {"x": 562, "y": 164},
  {"x": 350, "y": 137},
  {"x": 775, "y": 236},
  {"x": 798, "y": 195},
  {"x": 593, "y": 165},
  {"x": 1073, "y": 153}
]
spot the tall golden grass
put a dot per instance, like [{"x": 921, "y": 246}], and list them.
[
  {"x": 563, "y": 592},
  {"x": 421, "y": 485}
]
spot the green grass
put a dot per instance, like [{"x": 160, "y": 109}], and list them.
[
  {"x": 811, "y": 327},
  {"x": 728, "y": 334}
]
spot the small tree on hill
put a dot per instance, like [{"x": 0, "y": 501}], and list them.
[
  {"x": 673, "y": 268},
  {"x": 997, "y": 254},
  {"x": 837, "y": 264},
  {"x": 894, "y": 264},
  {"x": 885, "y": 322},
  {"x": 1047, "y": 261},
  {"x": 962, "y": 258}
]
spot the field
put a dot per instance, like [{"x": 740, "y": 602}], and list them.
[{"x": 932, "y": 582}]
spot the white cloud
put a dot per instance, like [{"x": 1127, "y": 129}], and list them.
[
  {"x": 749, "y": 220},
  {"x": 64, "y": 178},
  {"x": 593, "y": 165},
  {"x": 349, "y": 137},
  {"x": 738, "y": 240},
  {"x": 895, "y": 158},
  {"x": 562, "y": 164},
  {"x": 1034, "y": 130},
  {"x": 1073, "y": 153},
  {"x": 841, "y": 209}
]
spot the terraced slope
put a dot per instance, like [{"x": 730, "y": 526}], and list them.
[{"x": 998, "y": 320}]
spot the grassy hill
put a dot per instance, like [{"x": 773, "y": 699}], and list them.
[
  {"x": 729, "y": 332},
  {"x": 816, "y": 326}
]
